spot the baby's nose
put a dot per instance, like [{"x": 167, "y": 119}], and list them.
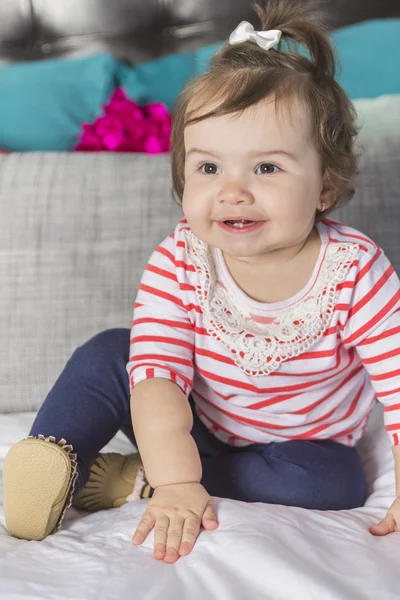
[{"x": 235, "y": 194}]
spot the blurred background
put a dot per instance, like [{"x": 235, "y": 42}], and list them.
[
  {"x": 144, "y": 29},
  {"x": 61, "y": 61}
]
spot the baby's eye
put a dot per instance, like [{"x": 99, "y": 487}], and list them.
[
  {"x": 209, "y": 169},
  {"x": 266, "y": 169}
]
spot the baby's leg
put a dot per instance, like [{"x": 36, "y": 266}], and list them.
[
  {"x": 89, "y": 402},
  {"x": 322, "y": 475},
  {"x": 86, "y": 407}
]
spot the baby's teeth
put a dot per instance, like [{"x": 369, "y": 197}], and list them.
[{"x": 240, "y": 224}]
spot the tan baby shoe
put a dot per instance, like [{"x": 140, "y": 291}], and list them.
[
  {"x": 114, "y": 479},
  {"x": 39, "y": 479}
]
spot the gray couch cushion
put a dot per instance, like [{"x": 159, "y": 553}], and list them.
[
  {"x": 375, "y": 208},
  {"x": 76, "y": 231}
]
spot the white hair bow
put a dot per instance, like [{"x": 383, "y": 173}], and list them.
[{"x": 245, "y": 32}]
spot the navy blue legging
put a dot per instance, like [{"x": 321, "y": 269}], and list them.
[{"x": 90, "y": 402}]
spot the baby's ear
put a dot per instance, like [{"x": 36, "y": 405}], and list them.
[
  {"x": 327, "y": 195},
  {"x": 327, "y": 200}
]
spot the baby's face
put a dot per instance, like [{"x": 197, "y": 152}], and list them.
[{"x": 261, "y": 166}]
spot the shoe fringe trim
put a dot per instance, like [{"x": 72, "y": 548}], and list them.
[
  {"x": 62, "y": 443},
  {"x": 141, "y": 488}
]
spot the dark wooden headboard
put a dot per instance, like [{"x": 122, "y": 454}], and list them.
[{"x": 142, "y": 29}]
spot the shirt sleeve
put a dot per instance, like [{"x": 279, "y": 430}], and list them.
[
  {"x": 372, "y": 327},
  {"x": 162, "y": 334}
]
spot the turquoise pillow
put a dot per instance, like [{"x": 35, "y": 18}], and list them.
[
  {"x": 162, "y": 79},
  {"x": 43, "y": 103},
  {"x": 369, "y": 55}
]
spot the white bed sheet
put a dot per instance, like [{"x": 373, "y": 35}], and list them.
[{"x": 259, "y": 551}]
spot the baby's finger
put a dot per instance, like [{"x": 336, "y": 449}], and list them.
[
  {"x": 209, "y": 519},
  {"x": 175, "y": 531},
  {"x": 385, "y": 526},
  {"x": 145, "y": 526},
  {"x": 191, "y": 530},
  {"x": 160, "y": 536}
]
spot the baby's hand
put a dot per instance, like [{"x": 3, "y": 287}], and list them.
[
  {"x": 390, "y": 523},
  {"x": 176, "y": 512}
]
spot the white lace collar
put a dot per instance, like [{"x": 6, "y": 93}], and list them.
[{"x": 262, "y": 336}]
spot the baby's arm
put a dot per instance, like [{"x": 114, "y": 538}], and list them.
[
  {"x": 379, "y": 353},
  {"x": 162, "y": 421},
  {"x": 161, "y": 371},
  {"x": 372, "y": 328}
]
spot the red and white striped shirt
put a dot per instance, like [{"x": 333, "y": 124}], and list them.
[{"x": 310, "y": 367}]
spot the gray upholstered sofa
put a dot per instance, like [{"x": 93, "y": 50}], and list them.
[{"x": 76, "y": 229}]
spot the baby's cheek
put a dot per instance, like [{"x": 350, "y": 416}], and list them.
[{"x": 194, "y": 204}]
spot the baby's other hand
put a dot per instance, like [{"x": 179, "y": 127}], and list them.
[
  {"x": 390, "y": 523},
  {"x": 176, "y": 512}
]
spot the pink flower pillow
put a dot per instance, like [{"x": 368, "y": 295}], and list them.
[{"x": 127, "y": 127}]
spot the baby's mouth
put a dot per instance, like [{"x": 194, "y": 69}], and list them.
[{"x": 240, "y": 223}]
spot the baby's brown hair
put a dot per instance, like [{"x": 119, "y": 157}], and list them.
[{"x": 244, "y": 74}]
